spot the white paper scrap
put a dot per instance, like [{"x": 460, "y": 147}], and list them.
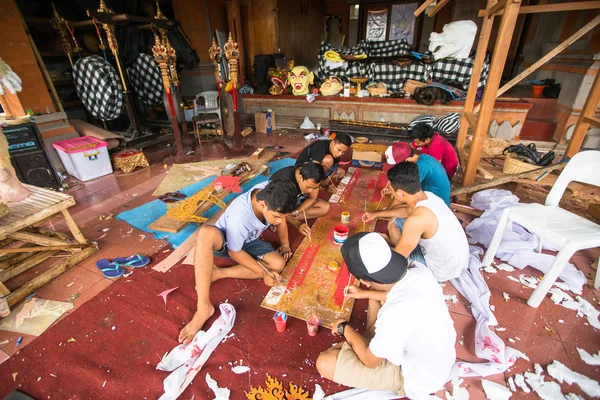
[
  {"x": 240, "y": 369},
  {"x": 506, "y": 296},
  {"x": 220, "y": 393},
  {"x": 319, "y": 394},
  {"x": 562, "y": 374},
  {"x": 495, "y": 391},
  {"x": 520, "y": 381},
  {"x": 588, "y": 358},
  {"x": 505, "y": 267},
  {"x": 511, "y": 384}
]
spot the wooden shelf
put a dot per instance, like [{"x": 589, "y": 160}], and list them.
[{"x": 72, "y": 103}]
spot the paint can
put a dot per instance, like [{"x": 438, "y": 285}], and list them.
[
  {"x": 4, "y": 308},
  {"x": 345, "y": 217},
  {"x": 340, "y": 234},
  {"x": 312, "y": 324},
  {"x": 280, "y": 321},
  {"x": 333, "y": 265}
]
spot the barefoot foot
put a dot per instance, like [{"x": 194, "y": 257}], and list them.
[{"x": 189, "y": 331}]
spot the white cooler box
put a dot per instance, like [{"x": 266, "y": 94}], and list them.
[{"x": 85, "y": 157}]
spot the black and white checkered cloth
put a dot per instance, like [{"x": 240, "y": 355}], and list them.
[
  {"x": 99, "y": 88},
  {"x": 421, "y": 119},
  {"x": 146, "y": 80},
  {"x": 394, "y": 76},
  {"x": 448, "y": 124}
]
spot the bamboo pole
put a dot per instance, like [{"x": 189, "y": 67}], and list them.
[
  {"x": 581, "y": 128},
  {"x": 507, "y": 26},
  {"x": 482, "y": 44}
]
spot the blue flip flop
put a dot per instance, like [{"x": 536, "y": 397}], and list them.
[
  {"x": 109, "y": 270},
  {"x": 135, "y": 261}
]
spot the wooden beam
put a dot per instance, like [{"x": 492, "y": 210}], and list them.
[
  {"x": 470, "y": 119},
  {"x": 551, "y": 54},
  {"x": 422, "y": 8},
  {"x": 499, "y": 6},
  {"x": 505, "y": 33},
  {"x": 24, "y": 265},
  {"x": 37, "y": 239},
  {"x": 41, "y": 248},
  {"x": 73, "y": 227},
  {"x": 39, "y": 281},
  {"x": 588, "y": 110},
  {"x": 505, "y": 179},
  {"x": 437, "y": 8},
  {"x": 593, "y": 120},
  {"x": 583, "y": 5},
  {"x": 482, "y": 44},
  {"x": 485, "y": 173}
]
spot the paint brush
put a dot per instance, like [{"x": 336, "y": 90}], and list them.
[
  {"x": 306, "y": 222},
  {"x": 268, "y": 272},
  {"x": 333, "y": 184},
  {"x": 345, "y": 292},
  {"x": 364, "y": 223}
]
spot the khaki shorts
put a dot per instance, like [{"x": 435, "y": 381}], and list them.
[{"x": 351, "y": 372}]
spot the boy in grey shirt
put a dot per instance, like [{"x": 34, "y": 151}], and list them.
[{"x": 236, "y": 235}]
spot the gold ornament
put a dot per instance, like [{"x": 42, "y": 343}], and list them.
[
  {"x": 214, "y": 52},
  {"x": 185, "y": 210},
  {"x": 274, "y": 391},
  {"x": 232, "y": 55}
]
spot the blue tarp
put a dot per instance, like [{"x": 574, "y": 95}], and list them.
[{"x": 142, "y": 216}]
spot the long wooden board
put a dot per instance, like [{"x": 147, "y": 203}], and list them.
[
  {"x": 311, "y": 286},
  {"x": 171, "y": 225}
]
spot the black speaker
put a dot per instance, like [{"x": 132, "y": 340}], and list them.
[{"x": 33, "y": 168}]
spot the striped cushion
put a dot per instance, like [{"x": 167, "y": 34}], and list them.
[
  {"x": 449, "y": 125},
  {"x": 421, "y": 119}
]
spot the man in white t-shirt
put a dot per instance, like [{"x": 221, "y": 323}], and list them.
[{"x": 412, "y": 347}]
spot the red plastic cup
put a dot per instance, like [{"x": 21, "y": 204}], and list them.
[
  {"x": 312, "y": 324},
  {"x": 280, "y": 321}
]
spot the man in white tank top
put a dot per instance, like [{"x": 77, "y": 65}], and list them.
[{"x": 426, "y": 230}]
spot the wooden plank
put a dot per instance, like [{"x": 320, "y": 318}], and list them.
[
  {"x": 593, "y": 120},
  {"x": 505, "y": 179},
  {"x": 177, "y": 254},
  {"x": 507, "y": 26},
  {"x": 310, "y": 286},
  {"x": 422, "y": 7},
  {"x": 4, "y": 290},
  {"x": 485, "y": 173},
  {"x": 12, "y": 259},
  {"x": 583, "y": 5},
  {"x": 168, "y": 224},
  {"x": 482, "y": 44},
  {"x": 41, "y": 248},
  {"x": 466, "y": 209},
  {"x": 73, "y": 227},
  {"x": 551, "y": 54},
  {"x": 497, "y": 7},
  {"x": 47, "y": 276},
  {"x": 581, "y": 128},
  {"x": 24, "y": 265},
  {"x": 437, "y": 8},
  {"x": 37, "y": 239},
  {"x": 594, "y": 211}
]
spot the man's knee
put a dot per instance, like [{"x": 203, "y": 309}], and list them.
[
  {"x": 209, "y": 235},
  {"x": 392, "y": 225},
  {"x": 326, "y": 363},
  {"x": 326, "y": 207},
  {"x": 277, "y": 263}
]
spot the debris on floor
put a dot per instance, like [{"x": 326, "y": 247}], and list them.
[{"x": 589, "y": 358}]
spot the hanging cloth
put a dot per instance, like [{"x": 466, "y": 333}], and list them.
[
  {"x": 99, "y": 88},
  {"x": 146, "y": 80}
]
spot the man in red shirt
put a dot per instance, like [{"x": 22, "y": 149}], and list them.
[{"x": 436, "y": 146}]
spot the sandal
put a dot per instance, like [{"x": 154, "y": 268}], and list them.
[
  {"x": 135, "y": 261},
  {"x": 109, "y": 270}
]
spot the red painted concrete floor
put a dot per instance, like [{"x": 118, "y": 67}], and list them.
[{"x": 547, "y": 333}]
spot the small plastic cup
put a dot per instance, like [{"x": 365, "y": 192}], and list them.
[
  {"x": 312, "y": 324},
  {"x": 280, "y": 321}
]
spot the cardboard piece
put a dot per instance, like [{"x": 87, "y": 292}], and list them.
[
  {"x": 366, "y": 159},
  {"x": 265, "y": 121},
  {"x": 34, "y": 316}
]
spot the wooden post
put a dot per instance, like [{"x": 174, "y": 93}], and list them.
[
  {"x": 507, "y": 26},
  {"x": 73, "y": 227},
  {"x": 482, "y": 44},
  {"x": 589, "y": 108}
]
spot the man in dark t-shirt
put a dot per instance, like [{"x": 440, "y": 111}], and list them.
[
  {"x": 307, "y": 178},
  {"x": 327, "y": 153}
]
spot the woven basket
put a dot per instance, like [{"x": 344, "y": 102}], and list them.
[{"x": 512, "y": 165}]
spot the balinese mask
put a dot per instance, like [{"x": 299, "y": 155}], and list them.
[
  {"x": 300, "y": 79},
  {"x": 332, "y": 86}
]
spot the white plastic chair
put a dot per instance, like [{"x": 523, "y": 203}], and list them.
[
  {"x": 211, "y": 103},
  {"x": 550, "y": 222}
]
